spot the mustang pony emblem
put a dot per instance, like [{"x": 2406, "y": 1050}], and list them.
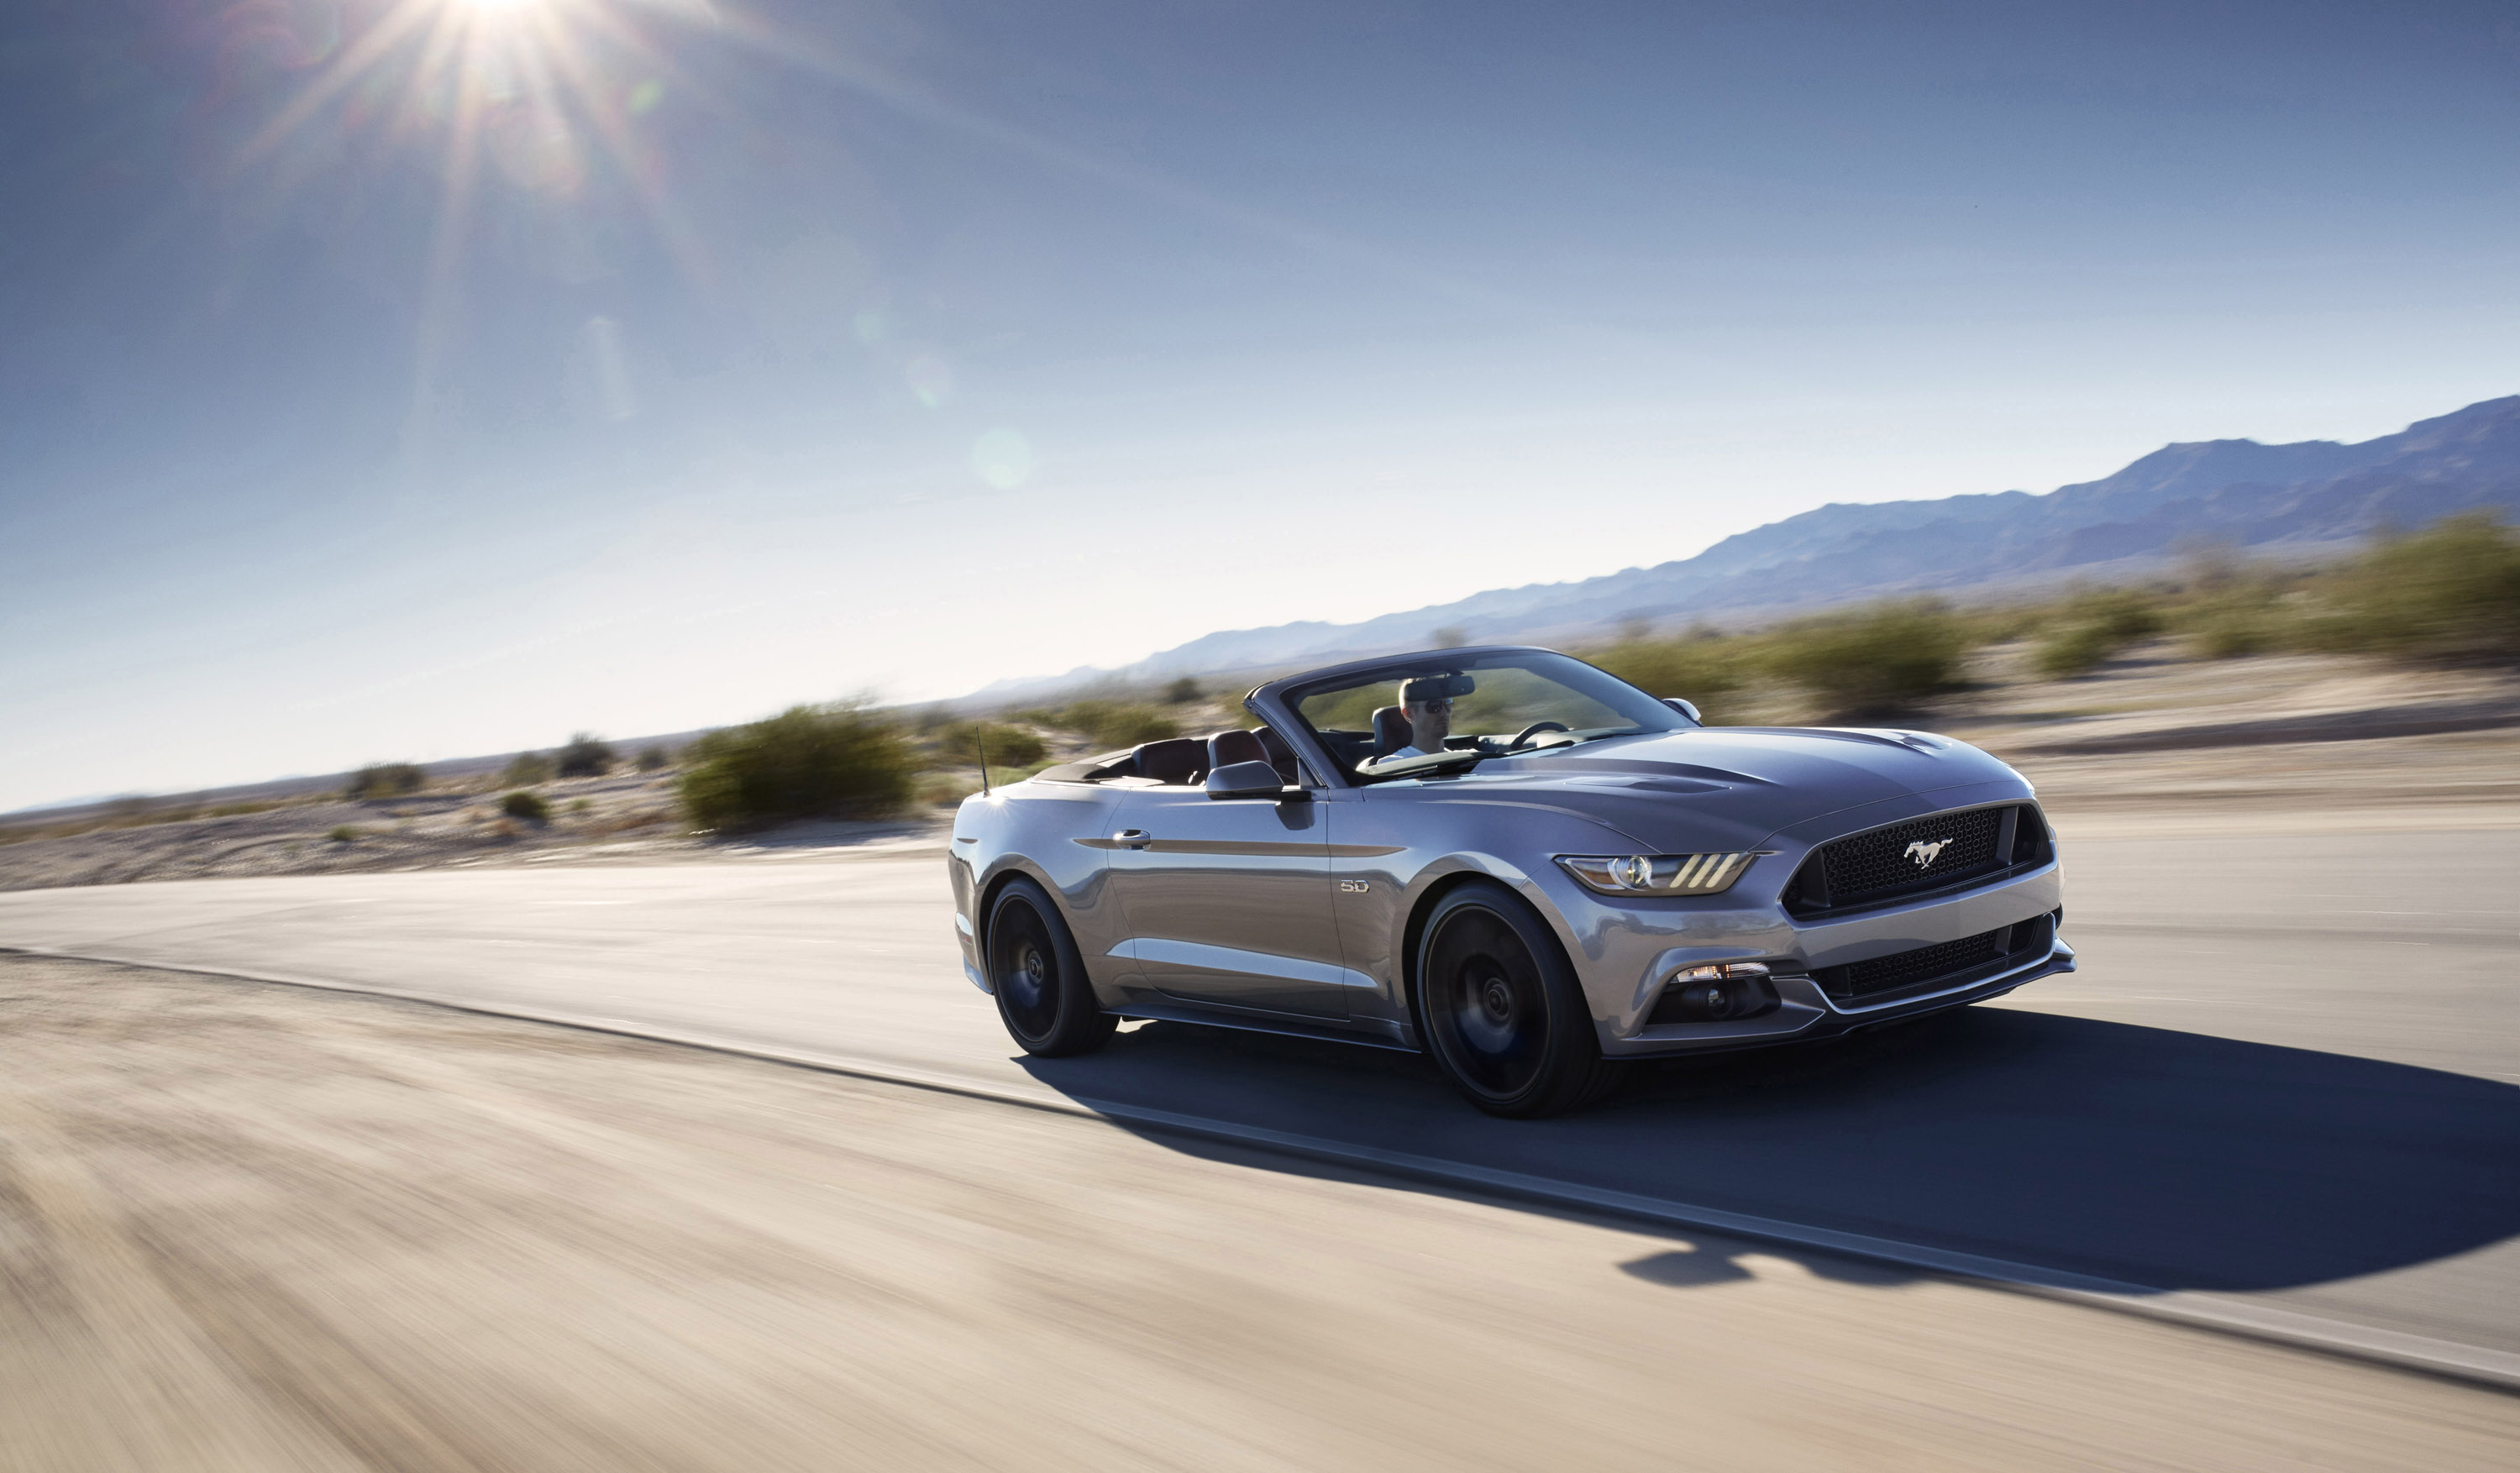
[{"x": 1926, "y": 854}]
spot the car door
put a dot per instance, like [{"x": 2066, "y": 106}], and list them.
[{"x": 1228, "y": 902}]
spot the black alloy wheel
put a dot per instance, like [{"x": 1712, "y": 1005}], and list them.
[
  {"x": 1500, "y": 1009},
  {"x": 1042, "y": 996}
]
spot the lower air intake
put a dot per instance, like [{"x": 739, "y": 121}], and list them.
[{"x": 1943, "y": 964}]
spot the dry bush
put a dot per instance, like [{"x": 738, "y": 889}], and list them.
[
  {"x": 385, "y": 779},
  {"x": 2093, "y": 627},
  {"x": 2239, "y": 618},
  {"x": 1872, "y": 660},
  {"x": 808, "y": 762},
  {"x": 1704, "y": 668},
  {"x": 2450, "y": 593},
  {"x": 584, "y": 755},
  {"x": 529, "y": 806},
  {"x": 963, "y": 741},
  {"x": 525, "y": 770}
]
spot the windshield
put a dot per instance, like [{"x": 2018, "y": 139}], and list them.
[{"x": 1495, "y": 700}]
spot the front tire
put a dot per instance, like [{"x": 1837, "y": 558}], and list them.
[
  {"x": 1042, "y": 996},
  {"x": 1500, "y": 1009}
]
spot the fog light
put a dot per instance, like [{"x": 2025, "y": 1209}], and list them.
[{"x": 1725, "y": 992}]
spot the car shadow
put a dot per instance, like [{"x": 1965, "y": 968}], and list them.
[{"x": 2173, "y": 1160}]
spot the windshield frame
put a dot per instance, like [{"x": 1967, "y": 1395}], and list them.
[{"x": 1277, "y": 700}]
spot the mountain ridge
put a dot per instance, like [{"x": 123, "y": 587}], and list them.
[{"x": 2300, "y": 496}]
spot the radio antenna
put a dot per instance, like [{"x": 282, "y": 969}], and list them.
[{"x": 983, "y": 742}]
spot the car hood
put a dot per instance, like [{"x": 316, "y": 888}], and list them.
[{"x": 1680, "y": 792}]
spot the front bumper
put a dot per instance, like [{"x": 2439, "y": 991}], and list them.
[
  {"x": 1806, "y": 1011},
  {"x": 1634, "y": 963}
]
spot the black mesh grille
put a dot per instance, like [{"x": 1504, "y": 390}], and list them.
[
  {"x": 1920, "y": 854},
  {"x": 1923, "y": 964},
  {"x": 1944, "y": 964}
]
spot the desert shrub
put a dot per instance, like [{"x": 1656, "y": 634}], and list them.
[
  {"x": 1183, "y": 692},
  {"x": 385, "y": 779},
  {"x": 1007, "y": 746},
  {"x": 655, "y": 759},
  {"x": 585, "y": 755},
  {"x": 1705, "y": 669},
  {"x": 2233, "y": 619},
  {"x": 2002, "y": 623},
  {"x": 2450, "y": 591},
  {"x": 1878, "y": 658},
  {"x": 582, "y": 805},
  {"x": 524, "y": 770},
  {"x": 343, "y": 833},
  {"x": 529, "y": 806},
  {"x": 2232, "y": 634},
  {"x": 808, "y": 762},
  {"x": 2093, "y": 627},
  {"x": 1117, "y": 724}
]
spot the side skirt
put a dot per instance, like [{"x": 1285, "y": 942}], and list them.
[{"x": 1260, "y": 1023}]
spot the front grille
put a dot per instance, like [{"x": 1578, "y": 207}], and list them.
[
  {"x": 1946, "y": 964},
  {"x": 1917, "y": 856}
]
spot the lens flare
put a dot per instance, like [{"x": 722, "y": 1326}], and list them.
[
  {"x": 931, "y": 379},
  {"x": 1003, "y": 458}
]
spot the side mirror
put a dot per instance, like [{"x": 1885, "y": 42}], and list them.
[
  {"x": 1685, "y": 709},
  {"x": 1249, "y": 780}
]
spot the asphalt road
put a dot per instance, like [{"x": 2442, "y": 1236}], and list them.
[{"x": 2289, "y": 1071}]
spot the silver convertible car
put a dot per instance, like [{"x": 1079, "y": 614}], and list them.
[{"x": 1514, "y": 861}]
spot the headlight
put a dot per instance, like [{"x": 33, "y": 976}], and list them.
[{"x": 1660, "y": 873}]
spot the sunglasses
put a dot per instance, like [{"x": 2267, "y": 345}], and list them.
[{"x": 1444, "y": 706}]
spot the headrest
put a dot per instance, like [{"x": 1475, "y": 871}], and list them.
[
  {"x": 1391, "y": 730},
  {"x": 1435, "y": 688},
  {"x": 1176, "y": 759},
  {"x": 1280, "y": 755},
  {"x": 1226, "y": 749}
]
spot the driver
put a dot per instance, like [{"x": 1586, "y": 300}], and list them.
[{"x": 1428, "y": 705}]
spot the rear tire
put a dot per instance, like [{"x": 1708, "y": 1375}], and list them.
[
  {"x": 1042, "y": 996},
  {"x": 1500, "y": 1009}
]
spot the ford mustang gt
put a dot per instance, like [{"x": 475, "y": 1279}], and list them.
[{"x": 1564, "y": 875}]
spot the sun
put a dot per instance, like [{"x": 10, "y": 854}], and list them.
[{"x": 542, "y": 98}]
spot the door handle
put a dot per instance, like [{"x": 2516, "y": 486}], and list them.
[{"x": 1133, "y": 839}]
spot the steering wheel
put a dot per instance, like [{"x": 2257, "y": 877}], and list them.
[{"x": 1533, "y": 730}]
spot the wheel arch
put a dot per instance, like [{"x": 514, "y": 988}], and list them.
[
  {"x": 1013, "y": 868},
  {"x": 1413, "y": 930}
]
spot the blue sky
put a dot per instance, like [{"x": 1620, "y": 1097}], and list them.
[{"x": 391, "y": 378}]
